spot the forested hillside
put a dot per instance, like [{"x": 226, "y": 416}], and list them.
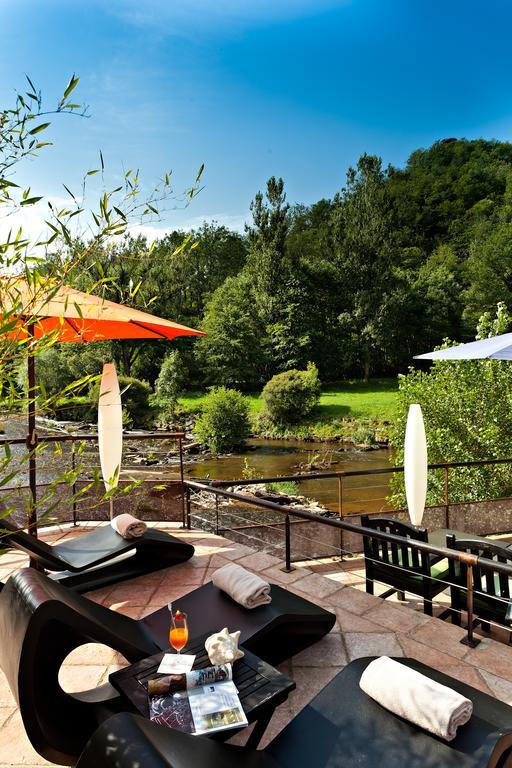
[{"x": 395, "y": 262}]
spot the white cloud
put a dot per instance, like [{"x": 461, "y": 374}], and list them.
[
  {"x": 186, "y": 15},
  {"x": 235, "y": 222},
  {"x": 32, "y": 219},
  {"x": 32, "y": 222}
]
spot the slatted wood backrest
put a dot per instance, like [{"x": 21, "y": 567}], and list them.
[
  {"x": 399, "y": 555},
  {"x": 486, "y": 580}
]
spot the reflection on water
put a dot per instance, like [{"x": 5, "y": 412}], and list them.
[{"x": 271, "y": 458}]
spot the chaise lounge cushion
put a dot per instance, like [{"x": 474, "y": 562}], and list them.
[{"x": 101, "y": 556}]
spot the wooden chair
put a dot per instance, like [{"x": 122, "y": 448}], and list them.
[
  {"x": 341, "y": 728},
  {"x": 491, "y": 590},
  {"x": 100, "y": 557},
  {"x": 41, "y": 622},
  {"x": 404, "y": 568}
]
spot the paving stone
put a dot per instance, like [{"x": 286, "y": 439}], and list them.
[
  {"x": 466, "y": 674},
  {"x": 276, "y": 574},
  {"x": 499, "y": 687},
  {"x": 329, "y": 650},
  {"x": 6, "y": 697},
  {"x": 5, "y": 714},
  {"x": 441, "y": 635},
  {"x": 15, "y": 748},
  {"x": 431, "y": 656},
  {"x": 371, "y": 644},
  {"x": 396, "y": 617},
  {"x": 183, "y": 575},
  {"x": 317, "y": 587},
  {"x": 99, "y": 595},
  {"x": 352, "y": 622},
  {"x": 310, "y": 681},
  {"x": 166, "y": 593},
  {"x": 259, "y": 561},
  {"x": 492, "y": 657},
  {"x": 133, "y": 611},
  {"x": 127, "y": 594},
  {"x": 353, "y": 600},
  {"x": 84, "y": 677},
  {"x": 91, "y": 653}
]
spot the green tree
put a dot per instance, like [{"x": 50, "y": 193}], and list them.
[
  {"x": 171, "y": 380},
  {"x": 232, "y": 351},
  {"x": 364, "y": 258}
]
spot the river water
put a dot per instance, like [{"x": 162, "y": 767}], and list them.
[{"x": 272, "y": 458}]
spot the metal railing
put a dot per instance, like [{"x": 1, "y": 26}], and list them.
[
  {"x": 93, "y": 437},
  {"x": 468, "y": 559},
  {"x": 341, "y": 476}
]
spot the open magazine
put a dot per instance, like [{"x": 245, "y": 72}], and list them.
[{"x": 200, "y": 701}]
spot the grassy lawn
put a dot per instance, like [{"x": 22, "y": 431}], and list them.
[{"x": 374, "y": 400}]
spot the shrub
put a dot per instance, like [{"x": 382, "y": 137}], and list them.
[
  {"x": 224, "y": 422},
  {"x": 137, "y": 411},
  {"x": 292, "y": 395}
]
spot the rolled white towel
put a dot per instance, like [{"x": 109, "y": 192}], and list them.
[
  {"x": 243, "y": 586},
  {"x": 128, "y": 526},
  {"x": 415, "y": 697}
]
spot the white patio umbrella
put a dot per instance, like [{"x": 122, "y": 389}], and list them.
[
  {"x": 415, "y": 464},
  {"x": 495, "y": 348},
  {"x": 110, "y": 429}
]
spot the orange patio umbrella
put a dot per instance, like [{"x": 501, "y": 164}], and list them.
[{"x": 41, "y": 308}]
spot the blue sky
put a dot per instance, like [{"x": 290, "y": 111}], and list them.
[{"x": 253, "y": 88}]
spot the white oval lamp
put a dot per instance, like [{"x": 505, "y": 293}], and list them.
[
  {"x": 415, "y": 464},
  {"x": 110, "y": 428}
]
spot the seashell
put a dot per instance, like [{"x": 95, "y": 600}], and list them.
[{"x": 222, "y": 647}]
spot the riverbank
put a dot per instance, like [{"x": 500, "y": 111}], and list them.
[{"x": 355, "y": 412}]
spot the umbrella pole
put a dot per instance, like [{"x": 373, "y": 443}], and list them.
[{"x": 32, "y": 439}]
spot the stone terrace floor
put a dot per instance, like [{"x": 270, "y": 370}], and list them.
[{"x": 366, "y": 626}]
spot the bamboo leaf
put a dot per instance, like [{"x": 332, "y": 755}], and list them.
[
  {"x": 71, "y": 86},
  {"x": 39, "y": 128}
]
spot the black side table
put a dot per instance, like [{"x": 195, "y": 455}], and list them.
[{"x": 261, "y": 687}]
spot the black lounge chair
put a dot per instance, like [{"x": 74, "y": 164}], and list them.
[
  {"x": 492, "y": 593},
  {"x": 341, "y": 728},
  {"x": 402, "y": 567},
  {"x": 41, "y": 622},
  {"x": 100, "y": 557}
]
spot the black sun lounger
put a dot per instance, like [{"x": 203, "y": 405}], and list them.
[
  {"x": 341, "y": 728},
  {"x": 41, "y": 622},
  {"x": 101, "y": 557}
]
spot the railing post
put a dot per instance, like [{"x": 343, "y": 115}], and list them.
[
  {"x": 180, "y": 445},
  {"x": 287, "y": 546},
  {"x": 216, "y": 514},
  {"x": 73, "y": 467},
  {"x": 446, "y": 501},
  {"x": 470, "y": 639},
  {"x": 340, "y": 511},
  {"x": 188, "y": 508}
]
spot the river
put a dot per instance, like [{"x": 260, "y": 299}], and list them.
[
  {"x": 272, "y": 458},
  {"x": 265, "y": 458}
]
